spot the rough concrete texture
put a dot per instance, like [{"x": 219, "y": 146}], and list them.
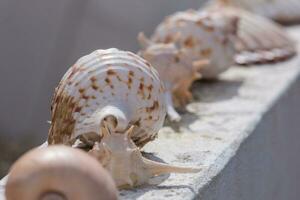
[
  {"x": 242, "y": 131},
  {"x": 267, "y": 164},
  {"x": 243, "y": 103}
]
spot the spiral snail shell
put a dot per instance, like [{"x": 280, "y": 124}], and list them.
[
  {"x": 201, "y": 35},
  {"x": 108, "y": 85},
  {"x": 259, "y": 40},
  {"x": 189, "y": 45},
  {"x": 57, "y": 172},
  {"x": 112, "y": 103},
  {"x": 282, "y": 11}
]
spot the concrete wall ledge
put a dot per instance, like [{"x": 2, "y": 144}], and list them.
[{"x": 242, "y": 130}]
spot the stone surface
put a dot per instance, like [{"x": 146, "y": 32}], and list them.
[
  {"x": 266, "y": 165},
  {"x": 219, "y": 134},
  {"x": 223, "y": 117}
]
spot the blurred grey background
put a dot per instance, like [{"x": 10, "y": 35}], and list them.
[{"x": 40, "y": 39}]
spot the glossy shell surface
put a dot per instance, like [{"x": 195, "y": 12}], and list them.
[
  {"x": 58, "y": 172},
  {"x": 108, "y": 83}
]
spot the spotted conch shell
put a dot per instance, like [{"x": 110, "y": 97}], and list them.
[
  {"x": 259, "y": 39},
  {"x": 189, "y": 45},
  {"x": 282, "y": 11},
  {"x": 111, "y": 102}
]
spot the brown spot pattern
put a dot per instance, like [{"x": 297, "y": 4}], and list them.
[
  {"x": 153, "y": 107},
  {"x": 107, "y": 80},
  {"x": 150, "y": 87},
  {"x": 95, "y": 87},
  {"x": 129, "y": 82},
  {"x": 206, "y": 52},
  {"x": 81, "y": 90},
  {"x": 189, "y": 42},
  {"x": 111, "y": 72},
  {"x": 85, "y": 97},
  {"x": 141, "y": 86},
  {"x": 141, "y": 141},
  {"x": 74, "y": 70},
  {"x": 199, "y": 23},
  {"x": 168, "y": 39},
  {"x": 131, "y": 73},
  {"x": 62, "y": 121},
  {"x": 176, "y": 59},
  {"x": 141, "y": 91},
  {"x": 148, "y": 64},
  {"x": 78, "y": 109},
  {"x": 93, "y": 79}
]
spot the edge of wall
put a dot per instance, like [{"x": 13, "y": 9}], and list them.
[{"x": 226, "y": 113}]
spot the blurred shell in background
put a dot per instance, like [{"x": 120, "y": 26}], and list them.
[
  {"x": 260, "y": 40},
  {"x": 282, "y": 11},
  {"x": 189, "y": 45},
  {"x": 201, "y": 35}
]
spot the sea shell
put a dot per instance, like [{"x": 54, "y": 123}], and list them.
[
  {"x": 282, "y": 11},
  {"x": 201, "y": 35},
  {"x": 111, "y": 102},
  {"x": 259, "y": 39},
  {"x": 176, "y": 71},
  {"x": 58, "y": 172},
  {"x": 189, "y": 45},
  {"x": 108, "y": 83}
]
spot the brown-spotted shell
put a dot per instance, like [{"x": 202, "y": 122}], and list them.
[
  {"x": 259, "y": 40},
  {"x": 175, "y": 70},
  {"x": 108, "y": 84},
  {"x": 186, "y": 46},
  {"x": 201, "y": 35},
  {"x": 112, "y": 102}
]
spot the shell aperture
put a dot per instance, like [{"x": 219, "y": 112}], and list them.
[
  {"x": 112, "y": 102},
  {"x": 103, "y": 84}
]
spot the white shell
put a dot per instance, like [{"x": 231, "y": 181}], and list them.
[
  {"x": 201, "y": 35},
  {"x": 259, "y": 39},
  {"x": 187, "y": 46},
  {"x": 176, "y": 71},
  {"x": 108, "y": 83},
  {"x": 283, "y": 11},
  {"x": 117, "y": 96}
]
